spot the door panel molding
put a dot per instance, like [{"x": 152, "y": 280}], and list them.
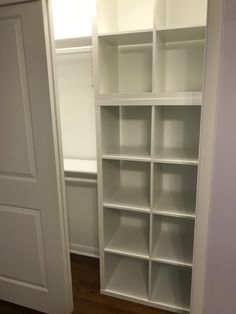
[{"x": 18, "y": 157}]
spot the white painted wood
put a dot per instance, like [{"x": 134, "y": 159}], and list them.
[
  {"x": 173, "y": 240},
  {"x": 175, "y": 204},
  {"x": 175, "y": 189},
  {"x": 156, "y": 98},
  {"x": 120, "y": 15},
  {"x": 31, "y": 186},
  {"x": 82, "y": 211},
  {"x": 177, "y": 133},
  {"x": 180, "y": 64},
  {"x": 128, "y": 38},
  {"x": 84, "y": 250},
  {"x": 74, "y": 50},
  {"x": 126, "y": 232},
  {"x": 126, "y": 183},
  {"x": 127, "y": 276},
  {"x": 76, "y": 99},
  {"x": 171, "y": 287},
  {"x": 126, "y": 131},
  {"x": 125, "y": 69},
  {"x": 149, "y": 169},
  {"x": 182, "y": 34},
  {"x": 80, "y": 166},
  {"x": 182, "y": 13},
  {"x": 67, "y": 43},
  {"x": 100, "y": 200}
]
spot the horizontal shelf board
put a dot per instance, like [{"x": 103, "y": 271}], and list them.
[
  {"x": 73, "y": 50},
  {"x": 174, "y": 214},
  {"x": 182, "y": 33},
  {"x": 126, "y": 208},
  {"x": 173, "y": 246},
  {"x": 180, "y": 161},
  {"x": 172, "y": 308},
  {"x": 122, "y": 253},
  {"x": 80, "y": 166},
  {"x": 128, "y": 38},
  {"x": 129, "y": 152},
  {"x": 73, "y": 42},
  {"x": 126, "y": 197},
  {"x": 124, "y": 296},
  {"x": 171, "y": 287},
  {"x": 126, "y": 157},
  {"x": 158, "y": 99},
  {"x": 176, "y": 203},
  {"x": 171, "y": 262},
  {"x": 129, "y": 277},
  {"x": 142, "y": 301},
  {"x": 130, "y": 239},
  {"x": 176, "y": 155}
]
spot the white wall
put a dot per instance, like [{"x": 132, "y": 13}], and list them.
[
  {"x": 220, "y": 278},
  {"x": 77, "y": 108},
  {"x": 72, "y": 18}
]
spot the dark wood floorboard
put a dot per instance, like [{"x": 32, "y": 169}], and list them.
[{"x": 87, "y": 298}]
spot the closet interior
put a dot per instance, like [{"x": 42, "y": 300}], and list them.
[{"x": 141, "y": 76}]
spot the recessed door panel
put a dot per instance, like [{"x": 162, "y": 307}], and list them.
[
  {"x": 21, "y": 228},
  {"x": 17, "y": 155}
]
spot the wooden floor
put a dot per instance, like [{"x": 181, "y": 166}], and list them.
[{"x": 87, "y": 299}]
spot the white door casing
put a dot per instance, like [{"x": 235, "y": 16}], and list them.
[{"x": 34, "y": 254}]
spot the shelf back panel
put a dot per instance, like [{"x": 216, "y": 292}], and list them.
[{"x": 181, "y": 13}]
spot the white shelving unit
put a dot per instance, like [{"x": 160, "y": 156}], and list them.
[{"x": 149, "y": 69}]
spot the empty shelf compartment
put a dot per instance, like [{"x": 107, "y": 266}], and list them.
[
  {"x": 125, "y": 63},
  {"x": 126, "y": 131},
  {"x": 126, "y": 232},
  {"x": 171, "y": 286},
  {"x": 176, "y": 135},
  {"x": 126, "y": 183},
  {"x": 119, "y": 15},
  {"x": 175, "y": 189},
  {"x": 172, "y": 240},
  {"x": 126, "y": 276},
  {"x": 179, "y": 63}
]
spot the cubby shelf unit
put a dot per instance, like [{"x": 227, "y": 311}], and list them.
[{"x": 149, "y": 66}]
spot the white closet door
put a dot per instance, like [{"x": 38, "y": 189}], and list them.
[{"x": 34, "y": 263}]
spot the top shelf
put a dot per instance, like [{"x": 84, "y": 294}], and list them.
[
  {"x": 128, "y": 38},
  {"x": 122, "y": 16},
  {"x": 197, "y": 32}
]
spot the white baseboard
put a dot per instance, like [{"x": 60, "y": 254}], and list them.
[{"x": 84, "y": 250}]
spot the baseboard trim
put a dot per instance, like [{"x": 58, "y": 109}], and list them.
[{"x": 84, "y": 250}]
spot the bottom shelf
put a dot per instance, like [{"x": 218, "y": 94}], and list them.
[
  {"x": 171, "y": 286},
  {"x": 126, "y": 276}
]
